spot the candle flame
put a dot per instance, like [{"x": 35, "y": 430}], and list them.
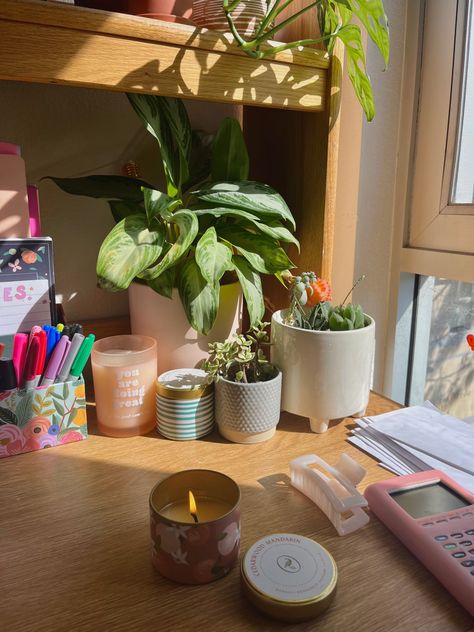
[{"x": 192, "y": 506}]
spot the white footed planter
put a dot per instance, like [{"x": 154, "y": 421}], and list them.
[
  {"x": 247, "y": 413},
  {"x": 326, "y": 374},
  {"x": 179, "y": 345}
]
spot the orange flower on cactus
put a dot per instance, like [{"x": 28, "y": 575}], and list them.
[
  {"x": 29, "y": 256},
  {"x": 470, "y": 341},
  {"x": 319, "y": 291}
]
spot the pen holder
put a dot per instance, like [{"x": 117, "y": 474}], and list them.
[{"x": 42, "y": 417}]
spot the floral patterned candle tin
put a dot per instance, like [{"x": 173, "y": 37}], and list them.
[
  {"x": 195, "y": 544},
  {"x": 184, "y": 404},
  {"x": 289, "y": 577}
]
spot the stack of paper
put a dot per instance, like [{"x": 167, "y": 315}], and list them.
[{"x": 419, "y": 438}]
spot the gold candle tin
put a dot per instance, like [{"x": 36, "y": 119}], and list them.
[{"x": 289, "y": 577}]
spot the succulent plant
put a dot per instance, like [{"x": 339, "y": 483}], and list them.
[
  {"x": 241, "y": 359},
  {"x": 310, "y": 306}
]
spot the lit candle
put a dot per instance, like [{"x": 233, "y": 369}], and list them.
[{"x": 195, "y": 536}]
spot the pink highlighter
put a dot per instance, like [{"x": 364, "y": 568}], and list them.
[
  {"x": 20, "y": 346},
  {"x": 434, "y": 518}
]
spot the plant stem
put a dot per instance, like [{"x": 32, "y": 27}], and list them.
[{"x": 361, "y": 278}]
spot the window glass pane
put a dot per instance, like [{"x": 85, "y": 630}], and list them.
[
  {"x": 463, "y": 180},
  {"x": 450, "y": 367}
]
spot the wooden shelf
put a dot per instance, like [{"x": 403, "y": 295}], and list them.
[{"x": 61, "y": 44}]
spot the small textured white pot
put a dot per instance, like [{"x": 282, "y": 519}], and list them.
[
  {"x": 179, "y": 345},
  {"x": 326, "y": 374},
  {"x": 247, "y": 413}
]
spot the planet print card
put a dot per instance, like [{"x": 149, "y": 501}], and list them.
[{"x": 27, "y": 295}]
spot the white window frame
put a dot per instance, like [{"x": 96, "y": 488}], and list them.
[
  {"x": 428, "y": 247},
  {"x": 433, "y": 223}
]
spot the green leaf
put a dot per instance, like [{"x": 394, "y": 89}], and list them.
[
  {"x": 262, "y": 252},
  {"x": 127, "y": 250},
  {"x": 59, "y": 407},
  {"x": 230, "y": 160},
  {"x": 23, "y": 409},
  {"x": 212, "y": 257},
  {"x": 102, "y": 186},
  {"x": 350, "y": 36},
  {"x": 56, "y": 419},
  {"x": 251, "y": 288},
  {"x": 372, "y": 15},
  {"x": 158, "y": 204},
  {"x": 200, "y": 299},
  {"x": 164, "y": 284},
  {"x": 120, "y": 210},
  {"x": 166, "y": 119},
  {"x": 278, "y": 232},
  {"x": 200, "y": 161},
  {"x": 71, "y": 416},
  {"x": 258, "y": 198},
  {"x": 8, "y": 417},
  {"x": 188, "y": 228},
  {"x": 222, "y": 211},
  {"x": 66, "y": 390}
]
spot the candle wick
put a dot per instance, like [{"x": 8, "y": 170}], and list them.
[{"x": 195, "y": 518}]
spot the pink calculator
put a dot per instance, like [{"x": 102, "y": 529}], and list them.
[{"x": 434, "y": 517}]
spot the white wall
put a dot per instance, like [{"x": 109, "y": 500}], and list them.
[
  {"x": 370, "y": 252},
  {"x": 73, "y": 132}
]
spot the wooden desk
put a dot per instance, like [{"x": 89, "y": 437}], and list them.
[{"x": 74, "y": 542}]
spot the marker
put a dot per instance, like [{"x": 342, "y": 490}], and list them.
[
  {"x": 31, "y": 363},
  {"x": 57, "y": 358},
  {"x": 20, "y": 346},
  {"x": 2, "y": 349},
  {"x": 41, "y": 335},
  {"x": 81, "y": 358},
  {"x": 76, "y": 343},
  {"x": 60, "y": 327},
  {"x": 8, "y": 381}
]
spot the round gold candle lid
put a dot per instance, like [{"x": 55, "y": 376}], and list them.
[
  {"x": 183, "y": 384},
  {"x": 289, "y": 577}
]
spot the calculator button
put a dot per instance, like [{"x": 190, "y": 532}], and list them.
[
  {"x": 440, "y": 521},
  {"x": 428, "y": 524},
  {"x": 468, "y": 563},
  {"x": 468, "y": 513},
  {"x": 465, "y": 543},
  {"x": 441, "y": 538},
  {"x": 455, "y": 518},
  {"x": 450, "y": 545},
  {"x": 457, "y": 535},
  {"x": 458, "y": 554},
  {"x": 471, "y": 551},
  {"x": 469, "y": 532}
]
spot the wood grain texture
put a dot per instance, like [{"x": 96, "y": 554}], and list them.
[
  {"x": 118, "y": 24},
  {"x": 75, "y": 544},
  {"x": 71, "y": 55}
]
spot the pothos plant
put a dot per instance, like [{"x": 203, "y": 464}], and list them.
[
  {"x": 241, "y": 359},
  {"x": 211, "y": 219},
  {"x": 311, "y": 307},
  {"x": 336, "y": 21}
]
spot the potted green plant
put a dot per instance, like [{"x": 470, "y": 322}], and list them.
[
  {"x": 336, "y": 21},
  {"x": 247, "y": 387},
  {"x": 209, "y": 224},
  {"x": 325, "y": 353}
]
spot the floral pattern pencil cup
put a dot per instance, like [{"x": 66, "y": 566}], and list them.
[
  {"x": 195, "y": 526},
  {"x": 124, "y": 370}
]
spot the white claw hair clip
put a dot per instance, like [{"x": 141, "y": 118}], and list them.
[{"x": 336, "y": 495}]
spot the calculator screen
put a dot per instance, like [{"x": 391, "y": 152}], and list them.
[{"x": 429, "y": 500}]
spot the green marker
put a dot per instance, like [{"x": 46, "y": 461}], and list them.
[{"x": 81, "y": 358}]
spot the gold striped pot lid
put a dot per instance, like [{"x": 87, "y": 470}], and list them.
[{"x": 183, "y": 384}]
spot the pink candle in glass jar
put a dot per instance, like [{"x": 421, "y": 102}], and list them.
[{"x": 124, "y": 369}]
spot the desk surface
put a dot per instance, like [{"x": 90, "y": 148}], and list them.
[{"x": 74, "y": 540}]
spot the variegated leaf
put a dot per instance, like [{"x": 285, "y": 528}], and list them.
[
  {"x": 212, "y": 257},
  {"x": 262, "y": 252},
  {"x": 251, "y": 287},
  {"x": 127, "y": 250},
  {"x": 258, "y": 198},
  {"x": 188, "y": 225},
  {"x": 199, "y": 298},
  {"x": 230, "y": 160}
]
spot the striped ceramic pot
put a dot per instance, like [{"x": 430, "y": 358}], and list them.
[
  {"x": 184, "y": 404},
  {"x": 247, "y": 15}
]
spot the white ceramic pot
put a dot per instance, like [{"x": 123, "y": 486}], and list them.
[
  {"x": 179, "y": 345},
  {"x": 326, "y": 374},
  {"x": 248, "y": 413}
]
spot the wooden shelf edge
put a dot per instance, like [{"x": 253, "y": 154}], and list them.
[{"x": 123, "y": 25}]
